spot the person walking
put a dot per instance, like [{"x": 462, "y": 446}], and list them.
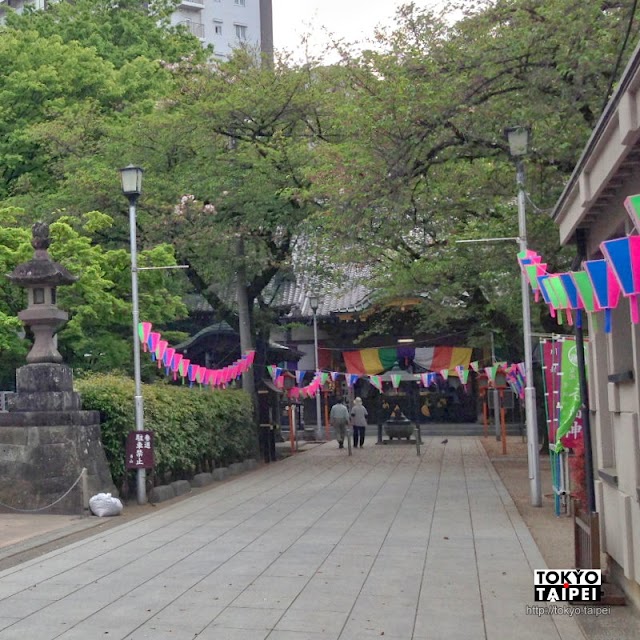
[
  {"x": 339, "y": 418},
  {"x": 359, "y": 415}
]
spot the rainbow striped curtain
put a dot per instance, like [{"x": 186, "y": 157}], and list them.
[
  {"x": 438, "y": 358},
  {"x": 374, "y": 361},
  {"x": 370, "y": 361}
]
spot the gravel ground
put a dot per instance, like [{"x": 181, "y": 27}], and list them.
[{"x": 554, "y": 534}]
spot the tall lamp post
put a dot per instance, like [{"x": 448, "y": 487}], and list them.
[
  {"x": 518, "y": 138},
  {"x": 314, "y": 303},
  {"x": 131, "y": 178}
]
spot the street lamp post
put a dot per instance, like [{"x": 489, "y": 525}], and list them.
[
  {"x": 314, "y": 303},
  {"x": 131, "y": 178},
  {"x": 518, "y": 138}
]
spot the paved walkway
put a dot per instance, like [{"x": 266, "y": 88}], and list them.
[{"x": 321, "y": 546}]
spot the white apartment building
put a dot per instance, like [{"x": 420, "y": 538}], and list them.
[
  {"x": 226, "y": 24},
  {"x": 223, "y": 24}
]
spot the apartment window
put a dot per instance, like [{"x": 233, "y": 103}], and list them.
[
  {"x": 241, "y": 31},
  {"x": 217, "y": 27},
  {"x": 240, "y": 3}
]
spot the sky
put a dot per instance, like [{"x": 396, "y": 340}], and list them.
[{"x": 353, "y": 20}]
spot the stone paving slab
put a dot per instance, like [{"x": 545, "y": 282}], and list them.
[{"x": 321, "y": 546}]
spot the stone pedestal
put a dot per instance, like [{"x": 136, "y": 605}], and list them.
[{"x": 45, "y": 441}]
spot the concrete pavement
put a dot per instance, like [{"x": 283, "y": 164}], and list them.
[{"x": 320, "y": 546}]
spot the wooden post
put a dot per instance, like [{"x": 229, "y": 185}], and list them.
[
  {"x": 485, "y": 410},
  {"x": 292, "y": 436},
  {"x": 85, "y": 492},
  {"x": 503, "y": 423},
  {"x": 327, "y": 424}
]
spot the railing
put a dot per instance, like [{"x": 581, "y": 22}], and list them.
[
  {"x": 195, "y": 28},
  {"x": 193, "y": 3},
  {"x": 586, "y": 538}
]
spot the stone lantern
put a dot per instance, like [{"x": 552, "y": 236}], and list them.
[
  {"x": 46, "y": 440},
  {"x": 40, "y": 276}
]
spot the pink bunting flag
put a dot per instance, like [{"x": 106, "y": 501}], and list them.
[
  {"x": 376, "y": 382},
  {"x": 475, "y": 366},
  {"x": 154, "y": 338},
  {"x": 184, "y": 368},
  {"x": 606, "y": 288},
  {"x": 144, "y": 329},
  {"x": 167, "y": 359},
  {"x": 160, "y": 349},
  {"x": 444, "y": 373},
  {"x": 623, "y": 255},
  {"x": 175, "y": 364}
]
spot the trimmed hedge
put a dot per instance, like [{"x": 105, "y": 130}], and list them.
[{"x": 194, "y": 430}]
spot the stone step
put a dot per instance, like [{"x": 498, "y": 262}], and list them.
[{"x": 612, "y": 595}]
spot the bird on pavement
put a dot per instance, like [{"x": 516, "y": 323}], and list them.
[{"x": 445, "y": 441}]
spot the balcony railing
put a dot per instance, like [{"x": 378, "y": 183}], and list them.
[
  {"x": 196, "y": 4},
  {"x": 195, "y": 28}
]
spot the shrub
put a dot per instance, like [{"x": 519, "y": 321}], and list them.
[{"x": 194, "y": 430}]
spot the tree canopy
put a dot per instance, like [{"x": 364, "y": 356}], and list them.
[
  {"x": 421, "y": 161},
  {"x": 384, "y": 159}
]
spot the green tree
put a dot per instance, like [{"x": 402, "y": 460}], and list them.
[
  {"x": 421, "y": 162},
  {"x": 99, "y": 332},
  {"x": 118, "y": 32},
  {"x": 67, "y": 74},
  {"x": 225, "y": 156}
]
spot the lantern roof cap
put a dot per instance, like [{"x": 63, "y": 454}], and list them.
[{"x": 41, "y": 269}]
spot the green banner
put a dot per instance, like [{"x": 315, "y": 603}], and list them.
[{"x": 570, "y": 401}]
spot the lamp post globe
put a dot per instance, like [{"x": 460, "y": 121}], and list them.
[{"x": 131, "y": 180}]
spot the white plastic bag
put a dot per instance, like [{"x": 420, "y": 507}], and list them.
[{"x": 104, "y": 504}]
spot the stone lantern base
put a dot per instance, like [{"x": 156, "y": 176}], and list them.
[{"x": 45, "y": 441}]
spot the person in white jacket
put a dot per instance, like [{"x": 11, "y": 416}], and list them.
[{"x": 359, "y": 415}]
